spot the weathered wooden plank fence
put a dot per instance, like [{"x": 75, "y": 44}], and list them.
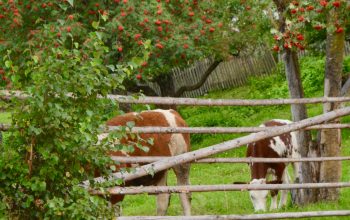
[
  {"x": 234, "y": 72},
  {"x": 228, "y": 74}
]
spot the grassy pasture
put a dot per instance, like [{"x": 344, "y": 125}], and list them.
[{"x": 221, "y": 203}]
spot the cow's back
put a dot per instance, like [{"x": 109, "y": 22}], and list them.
[{"x": 163, "y": 144}]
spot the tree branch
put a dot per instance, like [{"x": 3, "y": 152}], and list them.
[
  {"x": 207, "y": 73},
  {"x": 345, "y": 90}
]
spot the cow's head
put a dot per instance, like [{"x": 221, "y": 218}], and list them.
[{"x": 259, "y": 197}]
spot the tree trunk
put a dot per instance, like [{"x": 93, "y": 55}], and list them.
[
  {"x": 331, "y": 139},
  {"x": 309, "y": 172},
  {"x": 167, "y": 89}
]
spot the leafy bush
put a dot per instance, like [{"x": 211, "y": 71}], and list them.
[{"x": 55, "y": 147}]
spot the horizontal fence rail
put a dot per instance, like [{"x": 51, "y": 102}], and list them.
[
  {"x": 133, "y": 159},
  {"x": 244, "y": 217},
  {"x": 210, "y": 188},
  {"x": 218, "y": 130},
  {"x": 223, "y": 102},
  {"x": 5, "y": 94},
  {"x": 203, "y": 130}
]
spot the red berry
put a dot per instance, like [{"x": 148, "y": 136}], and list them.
[
  {"x": 276, "y": 48},
  {"x": 211, "y": 29},
  {"x": 138, "y": 76},
  {"x": 68, "y": 29},
  {"x": 123, "y": 14},
  {"x": 336, "y": 4},
  {"x": 70, "y": 17},
  {"x": 59, "y": 35},
  {"x": 159, "y": 12},
  {"x": 158, "y": 22},
  {"x": 339, "y": 30},
  {"x": 323, "y": 3},
  {"x": 137, "y": 36},
  {"x": 191, "y": 13},
  {"x": 248, "y": 8},
  {"x": 318, "y": 27},
  {"x": 2, "y": 16},
  {"x": 300, "y": 37},
  {"x": 276, "y": 37},
  {"x": 293, "y": 11},
  {"x": 146, "y": 20},
  {"x": 310, "y": 8},
  {"x": 120, "y": 28},
  {"x": 185, "y": 46},
  {"x": 144, "y": 64},
  {"x": 208, "y": 21},
  {"x": 160, "y": 29},
  {"x": 296, "y": 3},
  {"x": 301, "y": 18},
  {"x": 120, "y": 49},
  {"x": 159, "y": 45}
]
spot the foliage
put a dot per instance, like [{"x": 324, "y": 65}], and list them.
[
  {"x": 251, "y": 24},
  {"x": 346, "y": 65},
  {"x": 178, "y": 31},
  {"x": 306, "y": 18},
  {"x": 55, "y": 147}
]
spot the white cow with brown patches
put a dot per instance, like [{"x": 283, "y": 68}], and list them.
[
  {"x": 163, "y": 145},
  {"x": 282, "y": 146}
]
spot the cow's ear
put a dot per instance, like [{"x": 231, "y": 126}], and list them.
[{"x": 240, "y": 182}]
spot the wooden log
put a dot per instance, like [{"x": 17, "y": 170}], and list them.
[
  {"x": 244, "y": 217},
  {"x": 133, "y": 190},
  {"x": 204, "y": 130},
  {"x": 203, "y": 102},
  {"x": 217, "y": 130},
  {"x": 224, "y": 102},
  {"x": 120, "y": 159},
  {"x": 222, "y": 147}
]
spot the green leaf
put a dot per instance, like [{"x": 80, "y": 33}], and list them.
[
  {"x": 71, "y": 2},
  {"x": 8, "y": 63},
  {"x": 95, "y": 24},
  {"x": 35, "y": 58}
]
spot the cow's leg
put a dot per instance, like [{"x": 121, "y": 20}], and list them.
[
  {"x": 162, "y": 199},
  {"x": 284, "y": 193},
  {"x": 182, "y": 173},
  {"x": 274, "y": 195}
]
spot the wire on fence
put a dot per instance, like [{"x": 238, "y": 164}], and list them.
[{"x": 244, "y": 217}]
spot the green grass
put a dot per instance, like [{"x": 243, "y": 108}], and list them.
[
  {"x": 221, "y": 203},
  {"x": 5, "y": 117}
]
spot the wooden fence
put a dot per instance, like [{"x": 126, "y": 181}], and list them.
[
  {"x": 231, "y": 73},
  {"x": 202, "y": 154},
  {"x": 228, "y": 74}
]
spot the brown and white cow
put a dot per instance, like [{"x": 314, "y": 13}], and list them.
[
  {"x": 163, "y": 145},
  {"x": 283, "y": 146}
]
